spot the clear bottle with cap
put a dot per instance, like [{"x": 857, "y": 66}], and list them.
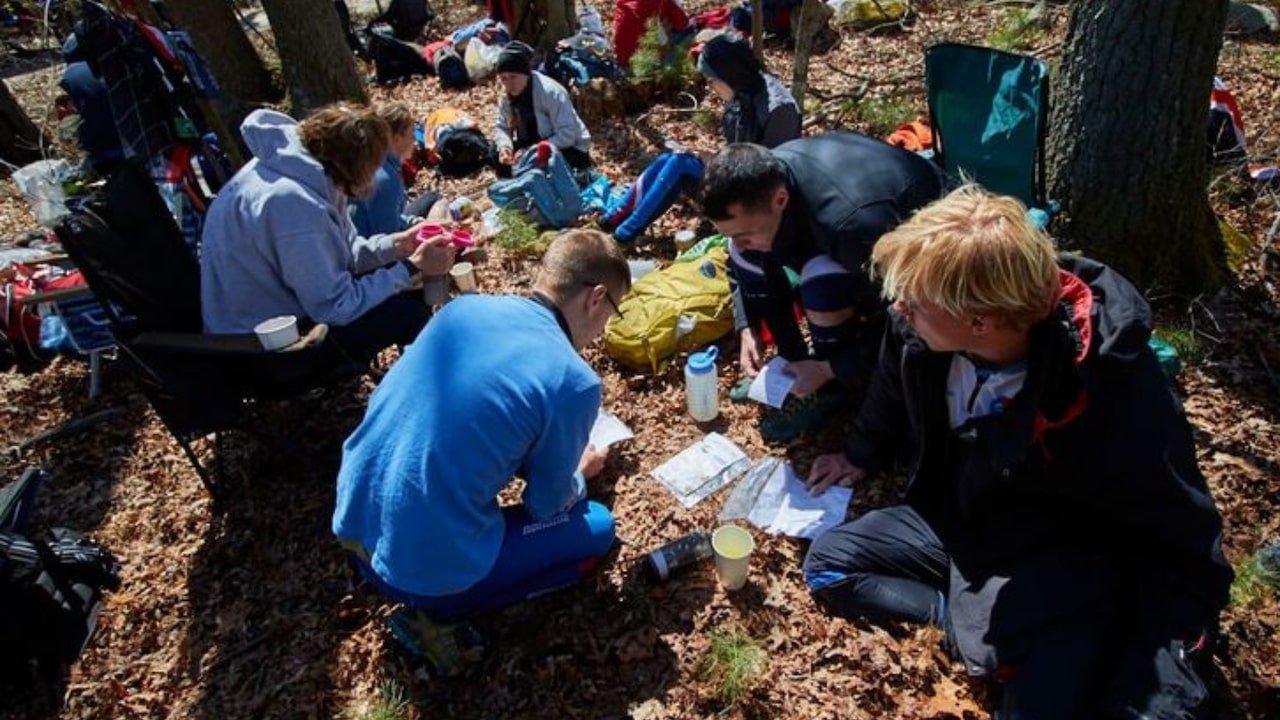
[
  {"x": 700, "y": 388},
  {"x": 692, "y": 548}
]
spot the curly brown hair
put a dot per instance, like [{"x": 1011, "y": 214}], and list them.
[{"x": 349, "y": 141}]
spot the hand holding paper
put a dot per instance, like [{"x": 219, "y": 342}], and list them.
[{"x": 771, "y": 385}]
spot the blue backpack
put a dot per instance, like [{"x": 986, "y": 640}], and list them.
[{"x": 547, "y": 196}]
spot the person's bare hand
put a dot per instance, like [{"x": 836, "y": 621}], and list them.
[
  {"x": 809, "y": 374},
  {"x": 833, "y": 469},
  {"x": 405, "y": 241},
  {"x": 434, "y": 257},
  {"x": 592, "y": 461},
  {"x": 749, "y": 353}
]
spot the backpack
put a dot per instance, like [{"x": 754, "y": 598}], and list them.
[
  {"x": 50, "y": 589},
  {"x": 677, "y": 308},
  {"x": 652, "y": 194},
  {"x": 579, "y": 59},
  {"x": 395, "y": 61},
  {"x": 407, "y": 18},
  {"x": 548, "y": 196},
  {"x": 453, "y": 143}
]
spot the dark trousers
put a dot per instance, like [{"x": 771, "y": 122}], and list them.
[
  {"x": 397, "y": 321},
  {"x": 889, "y": 565}
]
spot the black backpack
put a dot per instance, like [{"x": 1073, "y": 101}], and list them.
[
  {"x": 395, "y": 61},
  {"x": 462, "y": 152},
  {"x": 407, "y": 18}
]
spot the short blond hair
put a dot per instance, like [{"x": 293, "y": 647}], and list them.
[
  {"x": 397, "y": 116},
  {"x": 971, "y": 253},
  {"x": 580, "y": 258},
  {"x": 349, "y": 141}
]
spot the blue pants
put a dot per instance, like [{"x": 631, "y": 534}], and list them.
[{"x": 536, "y": 558}]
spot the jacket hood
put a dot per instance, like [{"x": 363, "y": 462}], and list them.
[
  {"x": 272, "y": 137},
  {"x": 1112, "y": 317}
]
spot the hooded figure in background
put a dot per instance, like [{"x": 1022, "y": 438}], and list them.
[{"x": 758, "y": 107}]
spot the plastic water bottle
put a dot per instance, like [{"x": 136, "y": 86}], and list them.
[
  {"x": 692, "y": 548},
  {"x": 700, "y": 385}
]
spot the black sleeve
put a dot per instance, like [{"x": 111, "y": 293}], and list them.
[{"x": 882, "y": 419}]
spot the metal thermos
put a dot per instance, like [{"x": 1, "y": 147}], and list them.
[{"x": 688, "y": 550}]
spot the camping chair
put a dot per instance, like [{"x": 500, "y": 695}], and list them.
[
  {"x": 990, "y": 110},
  {"x": 135, "y": 260}
]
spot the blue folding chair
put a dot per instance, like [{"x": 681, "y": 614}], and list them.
[{"x": 990, "y": 112}]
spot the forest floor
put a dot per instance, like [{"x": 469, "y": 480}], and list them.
[{"x": 254, "y": 611}]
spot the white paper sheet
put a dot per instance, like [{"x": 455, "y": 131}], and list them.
[
  {"x": 702, "y": 468},
  {"x": 785, "y": 506},
  {"x": 771, "y": 385},
  {"x": 607, "y": 430}
]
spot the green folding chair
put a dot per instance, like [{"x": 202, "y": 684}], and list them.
[{"x": 990, "y": 110}]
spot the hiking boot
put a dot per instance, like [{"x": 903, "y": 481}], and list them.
[
  {"x": 799, "y": 414},
  {"x": 445, "y": 648},
  {"x": 738, "y": 393}
]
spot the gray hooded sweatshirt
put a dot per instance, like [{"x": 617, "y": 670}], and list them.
[{"x": 278, "y": 241}]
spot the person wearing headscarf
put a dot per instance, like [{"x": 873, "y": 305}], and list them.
[
  {"x": 533, "y": 108},
  {"x": 758, "y": 107}
]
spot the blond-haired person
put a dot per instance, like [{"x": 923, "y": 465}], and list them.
[
  {"x": 387, "y": 208},
  {"x": 493, "y": 389},
  {"x": 278, "y": 239},
  {"x": 1055, "y": 524}
]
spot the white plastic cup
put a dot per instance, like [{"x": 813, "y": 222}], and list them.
[
  {"x": 732, "y": 546},
  {"x": 685, "y": 239},
  {"x": 435, "y": 289},
  {"x": 464, "y": 277},
  {"x": 277, "y": 333}
]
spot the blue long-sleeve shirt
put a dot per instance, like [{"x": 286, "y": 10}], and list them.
[
  {"x": 491, "y": 389},
  {"x": 383, "y": 211}
]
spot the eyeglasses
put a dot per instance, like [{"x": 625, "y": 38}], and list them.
[{"x": 607, "y": 296}]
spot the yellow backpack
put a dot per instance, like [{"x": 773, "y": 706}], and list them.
[{"x": 675, "y": 309}]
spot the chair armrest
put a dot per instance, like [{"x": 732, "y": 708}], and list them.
[
  {"x": 49, "y": 296},
  {"x": 224, "y": 343}
]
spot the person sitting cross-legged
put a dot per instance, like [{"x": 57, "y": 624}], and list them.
[
  {"x": 532, "y": 108},
  {"x": 493, "y": 388},
  {"x": 1055, "y": 523},
  {"x": 810, "y": 210}
]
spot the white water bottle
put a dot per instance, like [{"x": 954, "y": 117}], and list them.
[{"x": 700, "y": 385}]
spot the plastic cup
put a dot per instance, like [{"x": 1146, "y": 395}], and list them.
[
  {"x": 685, "y": 240},
  {"x": 732, "y": 546},
  {"x": 278, "y": 332},
  {"x": 435, "y": 289},
  {"x": 430, "y": 231},
  {"x": 464, "y": 277}
]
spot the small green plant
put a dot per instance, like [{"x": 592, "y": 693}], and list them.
[
  {"x": 735, "y": 662},
  {"x": 1248, "y": 590},
  {"x": 660, "y": 60},
  {"x": 519, "y": 236},
  {"x": 1183, "y": 339},
  {"x": 390, "y": 704},
  {"x": 880, "y": 116},
  {"x": 1271, "y": 59},
  {"x": 1019, "y": 29},
  {"x": 705, "y": 119}
]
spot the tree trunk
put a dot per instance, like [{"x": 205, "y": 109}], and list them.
[
  {"x": 319, "y": 67},
  {"x": 757, "y": 28},
  {"x": 20, "y": 139},
  {"x": 1126, "y": 153},
  {"x": 813, "y": 16},
  {"x": 217, "y": 35}
]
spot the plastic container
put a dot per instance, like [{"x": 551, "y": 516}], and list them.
[
  {"x": 732, "y": 546},
  {"x": 683, "y": 552},
  {"x": 461, "y": 208},
  {"x": 435, "y": 290},
  {"x": 700, "y": 389},
  {"x": 464, "y": 277},
  {"x": 277, "y": 333}
]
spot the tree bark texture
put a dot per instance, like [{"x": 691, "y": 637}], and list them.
[
  {"x": 543, "y": 23},
  {"x": 757, "y": 28},
  {"x": 319, "y": 68},
  {"x": 1126, "y": 153},
  {"x": 20, "y": 139},
  {"x": 813, "y": 16},
  {"x": 217, "y": 34}
]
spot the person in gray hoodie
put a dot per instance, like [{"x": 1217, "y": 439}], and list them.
[
  {"x": 758, "y": 107},
  {"x": 533, "y": 108},
  {"x": 278, "y": 239}
]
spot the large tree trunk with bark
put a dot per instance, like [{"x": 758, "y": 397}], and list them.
[
  {"x": 20, "y": 139},
  {"x": 217, "y": 34},
  {"x": 319, "y": 67},
  {"x": 811, "y": 17},
  {"x": 1126, "y": 152}
]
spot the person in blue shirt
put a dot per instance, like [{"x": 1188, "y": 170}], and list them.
[
  {"x": 492, "y": 389},
  {"x": 387, "y": 208}
]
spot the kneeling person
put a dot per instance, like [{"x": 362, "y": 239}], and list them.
[{"x": 493, "y": 388}]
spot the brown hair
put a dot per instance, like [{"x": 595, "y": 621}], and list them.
[
  {"x": 349, "y": 141},
  {"x": 971, "y": 253},
  {"x": 397, "y": 116},
  {"x": 580, "y": 258}
]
